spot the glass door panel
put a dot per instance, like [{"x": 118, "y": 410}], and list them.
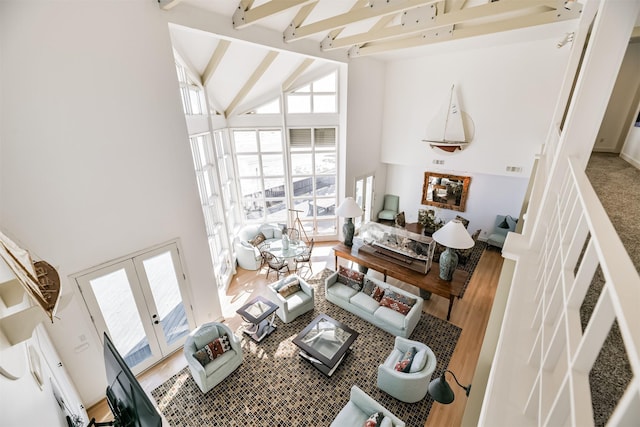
[{"x": 167, "y": 311}]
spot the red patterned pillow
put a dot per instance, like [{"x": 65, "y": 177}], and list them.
[
  {"x": 404, "y": 364},
  {"x": 212, "y": 350},
  {"x": 395, "y": 305},
  {"x": 374, "y": 420}
]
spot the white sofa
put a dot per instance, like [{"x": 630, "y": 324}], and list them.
[
  {"x": 369, "y": 309},
  {"x": 247, "y": 255}
]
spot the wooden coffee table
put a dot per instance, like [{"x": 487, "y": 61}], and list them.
[{"x": 325, "y": 342}]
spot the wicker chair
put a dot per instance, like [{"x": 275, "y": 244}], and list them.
[
  {"x": 279, "y": 265},
  {"x": 305, "y": 258}
]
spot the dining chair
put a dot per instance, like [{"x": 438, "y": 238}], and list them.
[
  {"x": 279, "y": 265},
  {"x": 293, "y": 233},
  {"x": 305, "y": 258}
]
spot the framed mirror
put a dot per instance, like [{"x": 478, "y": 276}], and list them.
[{"x": 445, "y": 191}]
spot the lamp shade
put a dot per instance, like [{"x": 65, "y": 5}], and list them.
[
  {"x": 453, "y": 235},
  {"x": 349, "y": 208},
  {"x": 440, "y": 390}
]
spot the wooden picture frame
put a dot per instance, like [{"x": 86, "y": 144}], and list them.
[{"x": 445, "y": 191}]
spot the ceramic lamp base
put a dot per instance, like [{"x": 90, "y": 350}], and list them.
[
  {"x": 448, "y": 263},
  {"x": 348, "y": 229}
]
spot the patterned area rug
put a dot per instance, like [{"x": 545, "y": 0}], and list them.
[{"x": 276, "y": 387}]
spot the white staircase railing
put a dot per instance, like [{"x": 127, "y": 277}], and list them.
[{"x": 540, "y": 375}]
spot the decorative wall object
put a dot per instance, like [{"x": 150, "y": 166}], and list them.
[
  {"x": 445, "y": 191},
  {"x": 451, "y": 129}
]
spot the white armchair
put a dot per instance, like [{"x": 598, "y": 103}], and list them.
[
  {"x": 409, "y": 387},
  {"x": 293, "y": 305},
  {"x": 210, "y": 375},
  {"x": 360, "y": 407}
]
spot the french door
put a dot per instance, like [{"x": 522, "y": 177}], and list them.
[
  {"x": 140, "y": 303},
  {"x": 364, "y": 198}
]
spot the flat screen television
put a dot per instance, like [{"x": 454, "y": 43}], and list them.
[{"x": 130, "y": 405}]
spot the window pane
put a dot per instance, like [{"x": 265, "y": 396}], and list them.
[
  {"x": 300, "y": 139},
  {"x": 298, "y": 104},
  {"x": 324, "y": 104},
  {"x": 303, "y": 205},
  {"x": 301, "y": 164},
  {"x": 272, "y": 165},
  {"x": 324, "y": 138},
  {"x": 325, "y": 207},
  {"x": 325, "y": 185},
  {"x": 250, "y": 187},
  {"x": 277, "y": 209},
  {"x": 302, "y": 187},
  {"x": 326, "y": 163},
  {"x": 245, "y": 141},
  {"x": 325, "y": 84},
  {"x": 327, "y": 226},
  {"x": 274, "y": 187},
  {"x": 253, "y": 208},
  {"x": 248, "y": 165},
  {"x": 271, "y": 140}
]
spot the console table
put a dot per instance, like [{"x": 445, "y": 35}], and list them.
[{"x": 430, "y": 282}]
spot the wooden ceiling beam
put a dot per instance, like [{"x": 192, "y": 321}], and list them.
[
  {"x": 215, "y": 60},
  {"x": 244, "y": 17},
  {"x": 489, "y": 10},
  {"x": 374, "y": 10},
  {"x": 257, "y": 74},
  {"x": 466, "y": 32},
  {"x": 288, "y": 83}
]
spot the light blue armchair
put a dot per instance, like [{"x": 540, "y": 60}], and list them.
[
  {"x": 293, "y": 305},
  {"x": 391, "y": 207},
  {"x": 360, "y": 407},
  {"x": 504, "y": 224},
  {"x": 210, "y": 375},
  {"x": 409, "y": 387}
]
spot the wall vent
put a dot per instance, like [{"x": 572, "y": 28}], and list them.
[
  {"x": 438, "y": 162},
  {"x": 514, "y": 169}
]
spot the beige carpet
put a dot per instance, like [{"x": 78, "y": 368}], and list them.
[{"x": 616, "y": 183}]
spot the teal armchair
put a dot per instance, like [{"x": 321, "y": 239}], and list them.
[{"x": 391, "y": 207}]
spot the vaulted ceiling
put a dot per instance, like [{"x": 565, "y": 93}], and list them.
[{"x": 311, "y": 35}]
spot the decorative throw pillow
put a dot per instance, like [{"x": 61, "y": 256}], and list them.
[
  {"x": 419, "y": 361},
  {"x": 404, "y": 364},
  {"x": 504, "y": 224},
  {"x": 258, "y": 239},
  {"x": 395, "y": 301},
  {"x": 290, "y": 288},
  {"x": 372, "y": 289},
  {"x": 374, "y": 420},
  {"x": 212, "y": 350},
  {"x": 353, "y": 279}
]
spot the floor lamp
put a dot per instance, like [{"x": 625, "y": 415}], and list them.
[{"x": 348, "y": 209}]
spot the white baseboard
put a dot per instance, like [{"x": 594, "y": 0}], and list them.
[{"x": 630, "y": 160}]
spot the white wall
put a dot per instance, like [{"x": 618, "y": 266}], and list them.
[
  {"x": 509, "y": 92},
  {"x": 96, "y": 162},
  {"x": 366, "y": 89},
  {"x": 489, "y": 195},
  {"x": 622, "y": 104}
]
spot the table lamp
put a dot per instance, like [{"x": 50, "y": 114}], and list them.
[
  {"x": 454, "y": 236},
  {"x": 348, "y": 209}
]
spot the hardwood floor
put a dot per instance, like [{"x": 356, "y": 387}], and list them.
[{"x": 471, "y": 313}]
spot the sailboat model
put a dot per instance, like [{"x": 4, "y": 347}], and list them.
[{"x": 446, "y": 130}]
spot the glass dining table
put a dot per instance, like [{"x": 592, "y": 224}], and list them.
[{"x": 296, "y": 248}]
